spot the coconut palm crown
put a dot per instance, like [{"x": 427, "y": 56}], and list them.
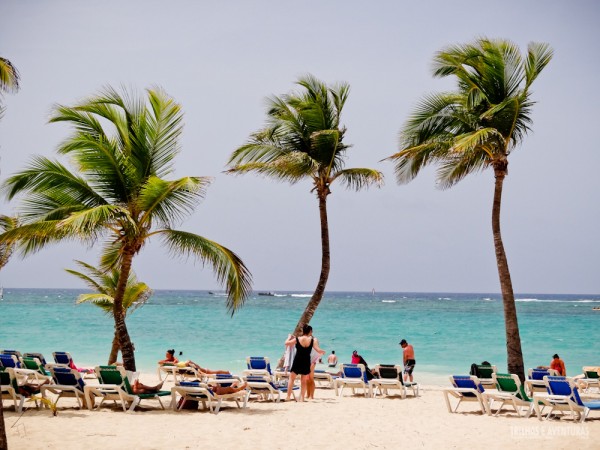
[
  {"x": 122, "y": 148},
  {"x": 104, "y": 285},
  {"x": 303, "y": 139},
  {"x": 473, "y": 128}
]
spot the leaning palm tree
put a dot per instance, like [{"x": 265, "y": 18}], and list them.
[
  {"x": 303, "y": 139},
  {"x": 9, "y": 79},
  {"x": 105, "y": 285},
  {"x": 474, "y": 128},
  {"x": 122, "y": 148}
]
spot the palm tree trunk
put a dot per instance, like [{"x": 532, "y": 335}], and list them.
[
  {"x": 120, "y": 327},
  {"x": 312, "y": 305},
  {"x": 513, "y": 339},
  {"x": 3, "y": 441},
  {"x": 114, "y": 351}
]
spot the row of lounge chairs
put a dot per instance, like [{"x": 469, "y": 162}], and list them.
[
  {"x": 112, "y": 383},
  {"x": 544, "y": 393}
]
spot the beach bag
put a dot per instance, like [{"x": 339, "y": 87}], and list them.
[{"x": 184, "y": 403}]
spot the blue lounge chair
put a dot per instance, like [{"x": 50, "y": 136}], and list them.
[
  {"x": 258, "y": 365},
  {"x": 535, "y": 381},
  {"x": 64, "y": 359},
  {"x": 201, "y": 392},
  {"x": 67, "y": 383},
  {"x": 465, "y": 388},
  {"x": 564, "y": 396},
  {"x": 9, "y": 360},
  {"x": 353, "y": 376},
  {"x": 264, "y": 387}
]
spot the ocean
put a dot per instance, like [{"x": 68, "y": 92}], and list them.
[{"x": 449, "y": 331}]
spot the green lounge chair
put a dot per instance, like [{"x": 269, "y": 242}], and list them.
[
  {"x": 511, "y": 391},
  {"x": 9, "y": 388},
  {"x": 114, "y": 385},
  {"x": 36, "y": 365}
]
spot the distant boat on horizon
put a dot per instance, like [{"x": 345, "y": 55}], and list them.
[{"x": 268, "y": 294}]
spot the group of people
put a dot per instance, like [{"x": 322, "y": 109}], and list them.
[{"x": 306, "y": 353}]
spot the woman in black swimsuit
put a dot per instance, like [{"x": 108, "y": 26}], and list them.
[{"x": 302, "y": 363}]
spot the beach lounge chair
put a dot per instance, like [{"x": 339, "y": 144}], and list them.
[
  {"x": 36, "y": 355},
  {"x": 465, "y": 388},
  {"x": 67, "y": 383},
  {"x": 390, "y": 377},
  {"x": 535, "y": 381},
  {"x": 201, "y": 392},
  {"x": 9, "y": 388},
  {"x": 322, "y": 376},
  {"x": 484, "y": 374},
  {"x": 591, "y": 379},
  {"x": 64, "y": 359},
  {"x": 257, "y": 365},
  {"x": 179, "y": 372},
  {"x": 353, "y": 376},
  {"x": 264, "y": 387},
  {"x": 563, "y": 396},
  {"x": 12, "y": 352},
  {"x": 509, "y": 391},
  {"x": 114, "y": 385},
  {"x": 33, "y": 363},
  {"x": 10, "y": 360}
]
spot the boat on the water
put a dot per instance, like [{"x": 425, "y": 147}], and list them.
[
  {"x": 269, "y": 294},
  {"x": 596, "y": 308}
]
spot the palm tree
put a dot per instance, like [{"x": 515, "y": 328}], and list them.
[
  {"x": 303, "y": 139},
  {"x": 105, "y": 285},
  {"x": 9, "y": 79},
  {"x": 473, "y": 128},
  {"x": 123, "y": 148}
]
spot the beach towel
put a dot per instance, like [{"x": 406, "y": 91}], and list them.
[{"x": 288, "y": 357}]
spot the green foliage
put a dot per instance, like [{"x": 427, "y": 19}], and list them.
[
  {"x": 122, "y": 149},
  {"x": 480, "y": 123}
]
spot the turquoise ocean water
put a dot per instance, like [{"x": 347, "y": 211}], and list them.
[{"x": 448, "y": 331}]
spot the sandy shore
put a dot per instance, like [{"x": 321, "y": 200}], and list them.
[{"x": 350, "y": 422}]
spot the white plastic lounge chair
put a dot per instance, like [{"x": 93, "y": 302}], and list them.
[
  {"x": 465, "y": 388},
  {"x": 390, "y": 377},
  {"x": 9, "y": 388},
  {"x": 264, "y": 387},
  {"x": 114, "y": 385},
  {"x": 535, "y": 380},
  {"x": 563, "y": 396},
  {"x": 591, "y": 379},
  {"x": 257, "y": 366},
  {"x": 509, "y": 391},
  {"x": 178, "y": 372},
  {"x": 201, "y": 392},
  {"x": 64, "y": 359},
  {"x": 353, "y": 376},
  {"x": 67, "y": 383}
]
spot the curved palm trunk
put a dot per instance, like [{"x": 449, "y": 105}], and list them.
[
  {"x": 120, "y": 327},
  {"x": 114, "y": 350},
  {"x": 312, "y": 305},
  {"x": 513, "y": 339}
]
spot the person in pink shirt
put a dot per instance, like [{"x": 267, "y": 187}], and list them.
[{"x": 408, "y": 359}]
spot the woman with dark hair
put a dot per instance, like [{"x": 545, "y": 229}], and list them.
[{"x": 302, "y": 362}]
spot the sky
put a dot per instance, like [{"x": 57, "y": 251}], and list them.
[{"x": 220, "y": 60}]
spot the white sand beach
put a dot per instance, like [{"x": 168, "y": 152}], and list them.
[{"x": 350, "y": 422}]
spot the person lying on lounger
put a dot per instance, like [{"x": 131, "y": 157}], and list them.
[
  {"x": 139, "y": 388},
  {"x": 222, "y": 390},
  {"x": 171, "y": 359}
]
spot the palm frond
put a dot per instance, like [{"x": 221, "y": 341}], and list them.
[
  {"x": 358, "y": 179},
  {"x": 226, "y": 265}
]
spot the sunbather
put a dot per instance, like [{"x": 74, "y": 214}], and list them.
[
  {"x": 139, "y": 388},
  {"x": 172, "y": 359},
  {"x": 222, "y": 390}
]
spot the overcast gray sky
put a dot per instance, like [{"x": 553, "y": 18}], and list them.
[{"x": 221, "y": 59}]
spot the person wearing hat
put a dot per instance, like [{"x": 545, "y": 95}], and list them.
[{"x": 409, "y": 360}]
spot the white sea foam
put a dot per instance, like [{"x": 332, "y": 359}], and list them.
[
  {"x": 555, "y": 301},
  {"x": 301, "y": 295},
  {"x": 487, "y": 299},
  {"x": 388, "y": 301}
]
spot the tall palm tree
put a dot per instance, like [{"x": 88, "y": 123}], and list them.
[
  {"x": 105, "y": 285},
  {"x": 303, "y": 139},
  {"x": 123, "y": 148},
  {"x": 474, "y": 128},
  {"x": 9, "y": 79}
]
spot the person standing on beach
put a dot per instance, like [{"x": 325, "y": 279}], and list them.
[
  {"x": 408, "y": 359},
  {"x": 302, "y": 364},
  {"x": 558, "y": 365}
]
